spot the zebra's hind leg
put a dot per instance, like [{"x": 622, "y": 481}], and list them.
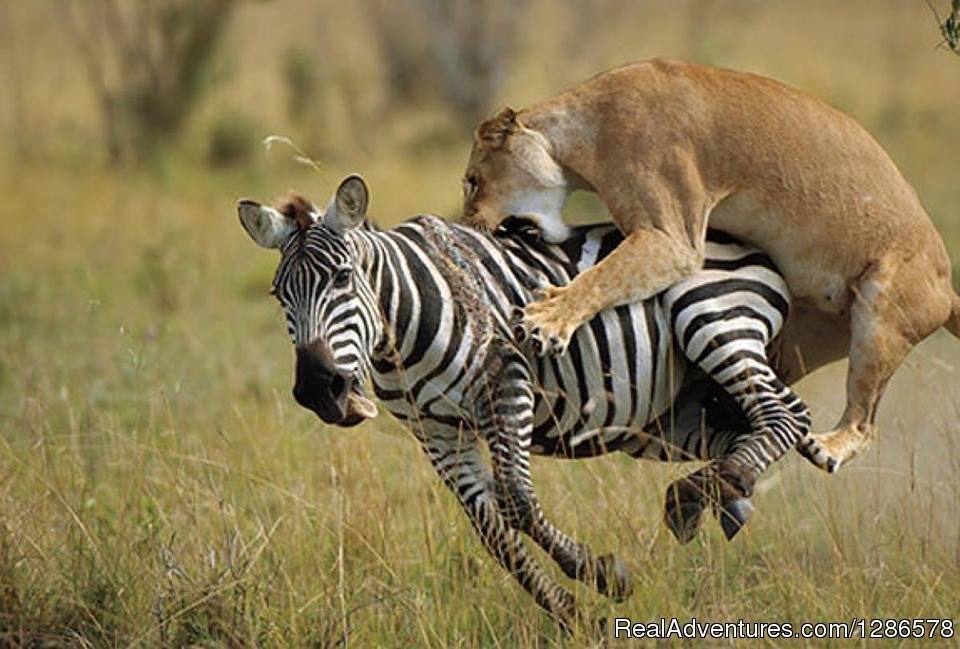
[
  {"x": 776, "y": 420},
  {"x": 724, "y": 327},
  {"x": 779, "y": 419},
  {"x": 505, "y": 417},
  {"x": 716, "y": 487},
  {"x": 723, "y": 320},
  {"x": 705, "y": 423}
]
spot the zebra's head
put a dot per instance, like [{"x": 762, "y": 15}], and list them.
[{"x": 332, "y": 314}]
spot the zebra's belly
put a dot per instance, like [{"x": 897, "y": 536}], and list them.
[{"x": 620, "y": 375}]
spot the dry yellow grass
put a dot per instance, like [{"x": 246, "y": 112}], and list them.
[{"x": 159, "y": 484}]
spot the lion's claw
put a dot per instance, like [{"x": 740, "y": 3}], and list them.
[
  {"x": 544, "y": 343},
  {"x": 517, "y": 325},
  {"x": 555, "y": 345},
  {"x": 537, "y": 345},
  {"x": 546, "y": 322}
]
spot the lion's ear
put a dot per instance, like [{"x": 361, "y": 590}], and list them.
[{"x": 495, "y": 130}]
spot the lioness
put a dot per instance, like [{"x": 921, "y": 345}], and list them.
[{"x": 670, "y": 146}]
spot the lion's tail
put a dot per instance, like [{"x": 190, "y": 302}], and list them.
[{"x": 953, "y": 322}]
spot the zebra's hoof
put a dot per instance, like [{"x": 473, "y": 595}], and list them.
[
  {"x": 572, "y": 620},
  {"x": 683, "y": 519},
  {"x": 734, "y": 515},
  {"x": 613, "y": 578}
]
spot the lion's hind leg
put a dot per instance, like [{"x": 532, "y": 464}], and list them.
[{"x": 896, "y": 304}]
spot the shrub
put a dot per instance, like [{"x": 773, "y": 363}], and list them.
[{"x": 233, "y": 139}]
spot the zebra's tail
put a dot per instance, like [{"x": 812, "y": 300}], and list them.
[{"x": 953, "y": 322}]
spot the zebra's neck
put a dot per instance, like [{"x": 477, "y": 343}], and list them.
[
  {"x": 404, "y": 273},
  {"x": 439, "y": 307},
  {"x": 422, "y": 268}
]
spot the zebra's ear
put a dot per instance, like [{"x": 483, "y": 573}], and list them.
[
  {"x": 265, "y": 225},
  {"x": 348, "y": 207}
]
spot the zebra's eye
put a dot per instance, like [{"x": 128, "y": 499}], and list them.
[{"x": 341, "y": 277}]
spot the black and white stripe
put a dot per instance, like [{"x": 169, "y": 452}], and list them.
[{"x": 425, "y": 309}]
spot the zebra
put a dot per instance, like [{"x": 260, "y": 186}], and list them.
[{"x": 426, "y": 310}]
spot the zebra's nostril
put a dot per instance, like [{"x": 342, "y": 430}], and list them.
[{"x": 338, "y": 385}]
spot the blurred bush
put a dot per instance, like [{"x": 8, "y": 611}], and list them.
[
  {"x": 460, "y": 51},
  {"x": 158, "y": 275},
  {"x": 147, "y": 63},
  {"x": 234, "y": 137},
  {"x": 306, "y": 86},
  {"x": 301, "y": 76}
]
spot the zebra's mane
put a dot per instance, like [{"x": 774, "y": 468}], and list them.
[
  {"x": 297, "y": 207},
  {"x": 306, "y": 215}
]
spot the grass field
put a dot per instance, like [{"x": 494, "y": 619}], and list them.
[{"x": 159, "y": 485}]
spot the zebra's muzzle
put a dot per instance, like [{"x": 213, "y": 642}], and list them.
[{"x": 335, "y": 396}]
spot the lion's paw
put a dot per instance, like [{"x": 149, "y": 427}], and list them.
[{"x": 546, "y": 324}]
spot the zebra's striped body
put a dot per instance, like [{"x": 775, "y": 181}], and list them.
[
  {"x": 425, "y": 310},
  {"x": 620, "y": 375}
]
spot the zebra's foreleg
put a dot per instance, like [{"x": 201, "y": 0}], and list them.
[
  {"x": 464, "y": 472},
  {"x": 506, "y": 419}
]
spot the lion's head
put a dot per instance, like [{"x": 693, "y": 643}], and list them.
[{"x": 511, "y": 172}]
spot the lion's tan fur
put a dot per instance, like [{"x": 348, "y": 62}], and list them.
[{"x": 671, "y": 146}]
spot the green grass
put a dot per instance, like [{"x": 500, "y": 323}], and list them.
[{"x": 159, "y": 485}]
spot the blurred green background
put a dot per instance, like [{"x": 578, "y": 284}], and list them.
[{"x": 158, "y": 485}]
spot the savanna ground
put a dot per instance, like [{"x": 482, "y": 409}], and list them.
[{"x": 158, "y": 484}]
